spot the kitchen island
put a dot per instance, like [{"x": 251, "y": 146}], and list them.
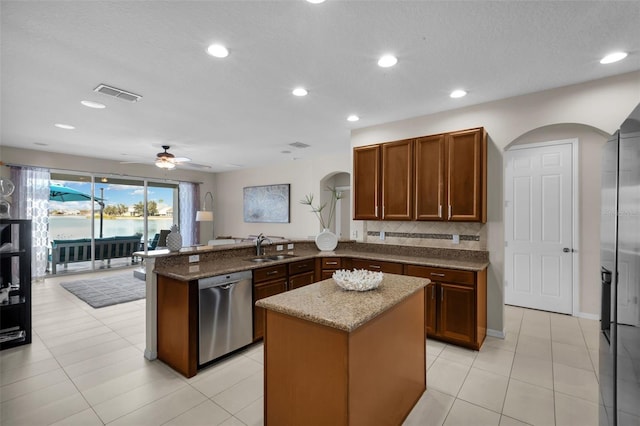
[{"x": 344, "y": 357}]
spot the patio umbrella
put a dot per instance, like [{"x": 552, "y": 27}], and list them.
[{"x": 64, "y": 193}]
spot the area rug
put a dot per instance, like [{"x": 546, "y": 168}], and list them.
[{"x": 107, "y": 291}]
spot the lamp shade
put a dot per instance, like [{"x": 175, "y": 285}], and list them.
[{"x": 204, "y": 216}]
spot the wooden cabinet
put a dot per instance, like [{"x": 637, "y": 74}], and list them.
[
  {"x": 383, "y": 181},
  {"x": 177, "y": 303},
  {"x": 328, "y": 265},
  {"x": 397, "y": 180},
  {"x": 15, "y": 282},
  {"x": 366, "y": 182},
  {"x": 267, "y": 281},
  {"x": 467, "y": 176},
  {"x": 440, "y": 177},
  {"x": 378, "y": 266},
  {"x": 301, "y": 273},
  {"x": 450, "y": 176},
  {"x": 456, "y": 304}
]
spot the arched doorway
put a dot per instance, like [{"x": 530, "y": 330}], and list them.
[{"x": 341, "y": 181}]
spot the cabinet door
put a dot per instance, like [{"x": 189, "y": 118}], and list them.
[
  {"x": 301, "y": 280},
  {"x": 260, "y": 291},
  {"x": 378, "y": 266},
  {"x": 466, "y": 175},
  {"x": 429, "y": 172},
  {"x": 457, "y": 312},
  {"x": 430, "y": 309},
  {"x": 397, "y": 180},
  {"x": 366, "y": 182}
]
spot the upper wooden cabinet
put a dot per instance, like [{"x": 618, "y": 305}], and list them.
[
  {"x": 439, "y": 177},
  {"x": 467, "y": 176}
]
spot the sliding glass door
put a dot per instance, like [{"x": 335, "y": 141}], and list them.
[{"x": 87, "y": 213}]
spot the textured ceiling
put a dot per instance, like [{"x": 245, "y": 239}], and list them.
[{"x": 240, "y": 110}]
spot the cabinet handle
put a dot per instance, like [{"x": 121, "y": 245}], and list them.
[
  {"x": 375, "y": 266},
  {"x": 302, "y": 266},
  {"x": 332, "y": 263},
  {"x": 376, "y": 212},
  {"x": 272, "y": 272},
  {"x": 450, "y": 211},
  {"x": 437, "y": 275},
  {"x": 440, "y": 210}
]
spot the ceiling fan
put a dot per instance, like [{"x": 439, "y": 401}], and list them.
[{"x": 168, "y": 161}]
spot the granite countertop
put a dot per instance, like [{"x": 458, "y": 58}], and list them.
[
  {"x": 229, "y": 265},
  {"x": 327, "y": 304}
]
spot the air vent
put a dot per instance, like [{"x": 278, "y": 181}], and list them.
[
  {"x": 299, "y": 145},
  {"x": 117, "y": 93}
]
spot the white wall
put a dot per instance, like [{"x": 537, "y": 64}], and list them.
[
  {"x": 303, "y": 175},
  {"x": 601, "y": 104}
]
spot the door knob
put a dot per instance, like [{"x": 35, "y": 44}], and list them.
[{"x": 567, "y": 250}]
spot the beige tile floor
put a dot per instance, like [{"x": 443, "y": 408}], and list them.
[{"x": 85, "y": 367}]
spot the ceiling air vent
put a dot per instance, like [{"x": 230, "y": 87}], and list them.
[
  {"x": 117, "y": 93},
  {"x": 299, "y": 145}
]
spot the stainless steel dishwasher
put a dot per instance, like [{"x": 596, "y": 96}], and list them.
[{"x": 225, "y": 314}]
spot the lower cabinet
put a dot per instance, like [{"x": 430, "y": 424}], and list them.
[
  {"x": 378, "y": 266},
  {"x": 267, "y": 282},
  {"x": 456, "y": 304},
  {"x": 301, "y": 273},
  {"x": 328, "y": 265}
]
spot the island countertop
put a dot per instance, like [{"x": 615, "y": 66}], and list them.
[{"x": 327, "y": 304}]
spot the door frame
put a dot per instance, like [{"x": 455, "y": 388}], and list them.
[{"x": 575, "y": 204}]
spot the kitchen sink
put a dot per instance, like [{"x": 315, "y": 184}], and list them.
[{"x": 272, "y": 258}]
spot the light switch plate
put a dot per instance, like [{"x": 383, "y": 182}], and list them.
[
  {"x": 290, "y": 246},
  {"x": 279, "y": 247},
  {"x": 456, "y": 239},
  {"x": 382, "y": 235},
  {"x": 194, "y": 258}
]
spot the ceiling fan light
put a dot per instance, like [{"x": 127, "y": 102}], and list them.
[{"x": 164, "y": 164}]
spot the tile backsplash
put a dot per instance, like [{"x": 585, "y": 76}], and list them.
[{"x": 473, "y": 236}]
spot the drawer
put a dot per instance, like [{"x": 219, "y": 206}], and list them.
[
  {"x": 376, "y": 265},
  {"x": 269, "y": 273},
  {"x": 331, "y": 263},
  {"x": 301, "y": 266},
  {"x": 442, "y": 274},
  {"x": 301, "y": 280}
]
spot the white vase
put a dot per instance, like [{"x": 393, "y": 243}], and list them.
[
  {"x": 326, "y": 240},
  {"x": 174, "y": 239}
]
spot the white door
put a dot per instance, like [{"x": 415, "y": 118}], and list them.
[{"x": 539, "y": 227}]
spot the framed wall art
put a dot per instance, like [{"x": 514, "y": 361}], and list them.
[{"x": 266, "y": 204}]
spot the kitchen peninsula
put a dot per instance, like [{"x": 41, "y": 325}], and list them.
[
  {"x": 345, "y": 357},
  {"x": 455, "y": 300}
]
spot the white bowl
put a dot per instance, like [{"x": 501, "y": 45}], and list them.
[{"x": 358, "y": 279}]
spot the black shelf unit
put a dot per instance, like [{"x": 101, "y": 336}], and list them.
[{"x": 15, "y": 273}]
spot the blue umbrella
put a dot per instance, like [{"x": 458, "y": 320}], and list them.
[{"x": 64, "y": 193}]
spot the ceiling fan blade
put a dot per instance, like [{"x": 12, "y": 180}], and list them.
[
  {"x": 181, "y": 159},
  {"x": 196, "y": 166}
]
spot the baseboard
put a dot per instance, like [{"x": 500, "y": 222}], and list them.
[
  {"x": 495, "y": 333},
  {"x": 588, "y": 316}
]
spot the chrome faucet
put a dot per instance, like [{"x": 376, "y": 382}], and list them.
[{"x": 259, "y": 241}]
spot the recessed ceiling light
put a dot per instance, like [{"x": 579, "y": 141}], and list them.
[
  {"x": 64, "y": 126},
  {"x": 218, "y": 50},
  {"x": 458, "y": 93},
  {"x": 353, "y": 117},
  {"x": 316, "y": 1},
  {"x": 285, "y": 152},
  {"x": 613, "y": 57},
  {"x": 92, "y": 104},
  {"x": 387, "y": 61},
  {"x": 300, "y": 91}
]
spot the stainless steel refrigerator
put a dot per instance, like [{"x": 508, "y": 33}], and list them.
[{"x": 619, "y": 374}]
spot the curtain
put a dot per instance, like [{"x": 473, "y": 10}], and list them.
[
  {"x": 189, "y": 196},
  {"x": 31, "y": 201}
]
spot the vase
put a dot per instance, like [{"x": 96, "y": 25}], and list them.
[
  {"x": 326, "y": 240},
  {"x": 174, "y": 239}
]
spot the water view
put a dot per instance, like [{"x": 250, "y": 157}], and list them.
[{"x": 72, "y": 227}]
